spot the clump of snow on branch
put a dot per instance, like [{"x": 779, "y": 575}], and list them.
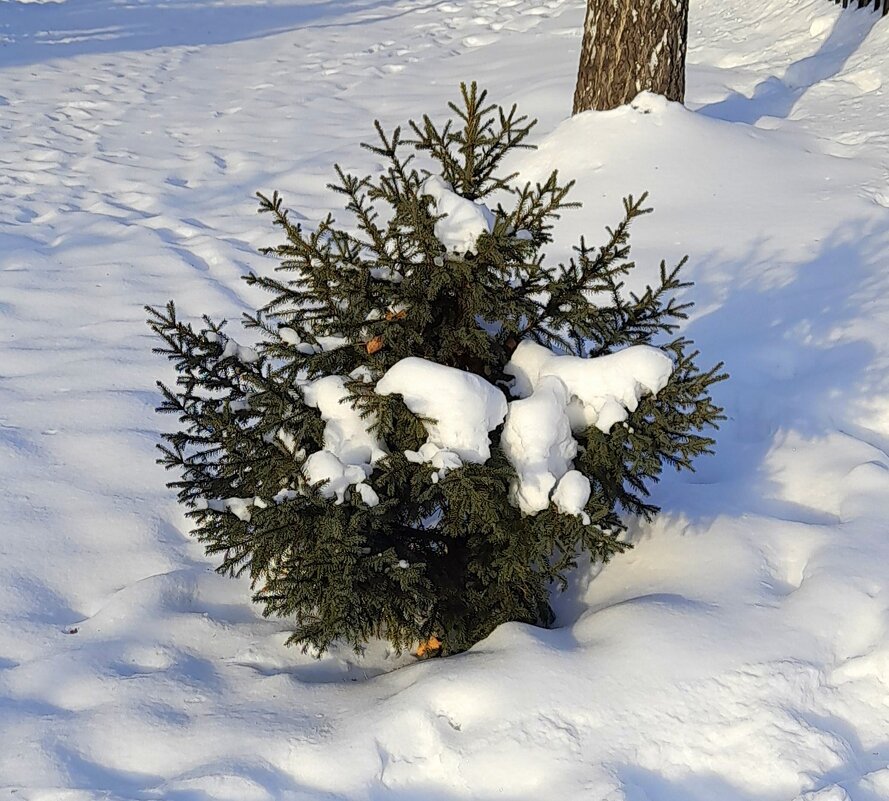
[
  {"x": 442, "y": 460},
  {"x": 538, "y": 443},
  {"x": 557, "y": 395},
  {"x": 346, "y": 434},
  {"x": 561, "y": 394},
  {"x": 603, "y": 389},
  {"x": 571, "y": 494},
  {"x": 458, "y": 409},
  {"x": 350, "y": 448},
  {"x": 464, "y": 221},
  {"x": 339, "y": 476},
  {"x": 232, "y": 349},
  {"x": 239, "y": 507},
  {"x": 323, "y": 343}
]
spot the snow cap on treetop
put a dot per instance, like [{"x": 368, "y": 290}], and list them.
[{"x": 464, "y": 221}]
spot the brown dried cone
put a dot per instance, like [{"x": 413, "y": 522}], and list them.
[
  {"x": 374, "y": 345},
  {"x": 428, "y": 647}
]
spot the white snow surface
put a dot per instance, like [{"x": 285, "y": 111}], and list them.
[
  {"x": 460, "y": 408},
  {"x": 464, "y": 221},
  {"x": 603, "y": 389},
  {"x": 739, "y": 652}
]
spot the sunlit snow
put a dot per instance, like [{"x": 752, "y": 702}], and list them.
[{"x": 738, "y": 652}]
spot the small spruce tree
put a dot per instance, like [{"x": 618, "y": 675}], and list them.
[{"x": 382, "y": 540}]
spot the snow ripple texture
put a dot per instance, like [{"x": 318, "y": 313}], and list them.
[{"x": 740, "y": 652}]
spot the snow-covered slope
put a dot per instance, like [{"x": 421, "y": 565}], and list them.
[{"x": 739, "y": 653}]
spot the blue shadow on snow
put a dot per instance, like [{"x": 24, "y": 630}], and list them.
[{"x": 32, "y": 33}]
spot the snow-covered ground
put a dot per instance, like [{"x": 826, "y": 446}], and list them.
[{"x": 739, "y": 653}]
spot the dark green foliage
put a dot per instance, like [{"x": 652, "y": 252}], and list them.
[{"x": 450, "y": 558}]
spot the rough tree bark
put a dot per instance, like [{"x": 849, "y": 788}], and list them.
[{"x": 630, "y": 46}]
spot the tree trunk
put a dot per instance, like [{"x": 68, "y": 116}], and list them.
[{"x": 630, "y": 46}]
